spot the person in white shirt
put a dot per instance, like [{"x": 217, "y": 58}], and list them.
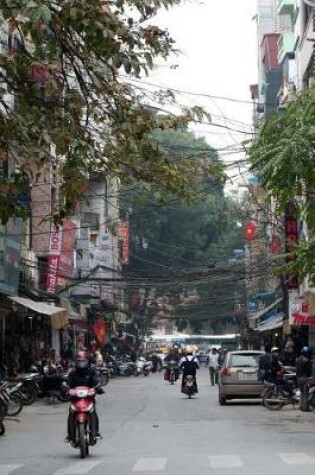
[{"x": 213, "y": 363}]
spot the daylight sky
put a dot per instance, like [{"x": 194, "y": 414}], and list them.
[{"x": 217, "y": 39}]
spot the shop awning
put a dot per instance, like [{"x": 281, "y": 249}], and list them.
[
  {"x": 271, "y": 323},
  {"x": 39, "y": 307},
  {"x": 264, "y": 311}
]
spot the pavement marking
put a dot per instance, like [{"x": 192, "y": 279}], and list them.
[
  {"x": 225, "y": 461},
  {"x": 149, "y": 465},
  {"x": 297, "y": 459},
  {"x": 6, "y": 469},
  {"x": 79, "y": 468}
]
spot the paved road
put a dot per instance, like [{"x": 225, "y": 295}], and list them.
[{"x": 150, "y": 428}]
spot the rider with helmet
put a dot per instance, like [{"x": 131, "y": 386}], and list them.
[
  {"x": 303, "y": 371},
  {"x": 83, "y": 375},
  {"x": 274, "y": 371}
]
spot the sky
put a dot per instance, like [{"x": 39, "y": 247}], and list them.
[{"x": 217, "y": 40}]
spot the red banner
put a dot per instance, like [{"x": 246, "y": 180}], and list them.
[
  {"x": 124, "y": 236},
  {"x": 53, "y": 259},
  {"x": 99, "y": 329}
]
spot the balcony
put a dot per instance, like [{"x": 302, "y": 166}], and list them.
[
  {"x": 286, "y": 44},
  {"x": 286, "y": 7}
]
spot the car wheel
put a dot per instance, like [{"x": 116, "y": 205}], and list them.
[{"x": 222, "y": 400}]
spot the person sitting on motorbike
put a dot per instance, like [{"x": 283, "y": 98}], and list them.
[
  {"x": 83, "y": 375},
  {"x": 171, "y": 356},
  {"x": 273, "y": 368},
  {"x": 303, "y": 372},
  {"x": 189, "y": 364}
]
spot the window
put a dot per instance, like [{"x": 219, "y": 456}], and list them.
[{"x": 244, "y": 361}]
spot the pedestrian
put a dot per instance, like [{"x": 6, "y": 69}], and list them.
[
  {"x": 213, "y": 363},
  {"x": 303, "y": 372}
]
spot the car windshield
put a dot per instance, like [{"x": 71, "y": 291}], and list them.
[{"x": 244, "y": 361}]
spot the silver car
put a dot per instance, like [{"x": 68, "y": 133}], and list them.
[{"x": 238, "y": 376}]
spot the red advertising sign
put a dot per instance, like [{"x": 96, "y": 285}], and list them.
[
  {"x": 124, "y": 236},
  {"x": 291, "y": 239},
  {"x": 53, "y": 258}
]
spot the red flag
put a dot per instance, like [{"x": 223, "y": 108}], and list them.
[
  {"x": 99, "y": 329},
  {"x": 250, "y": 230}
]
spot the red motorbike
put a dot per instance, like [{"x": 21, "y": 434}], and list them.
[{"x": 82, "y": 402}]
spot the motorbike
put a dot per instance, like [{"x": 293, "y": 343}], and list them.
[
  {"x": 103, "y": 373},
  {"x": 82, "y": 405},
  {"x": 308, "y": 399},
  {"x": 142, "y": 367},
  {"x": 3, "y": 413},
  {"x": 30, "y": 387},
  {"x": 171, "y": 371},
  {"x": 274, "y": 398},
  {"x": 190, "y": 387},
  {"x": 54, "y": 386},
  {"x": 9, "y": 395}
]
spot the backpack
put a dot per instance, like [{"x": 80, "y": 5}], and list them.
[{"x": 190, "y": 366}]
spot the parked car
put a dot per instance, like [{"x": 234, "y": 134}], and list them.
[{"x": 238, "y": 376}]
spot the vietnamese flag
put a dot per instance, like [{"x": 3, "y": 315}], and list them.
[
  {"x": 99, "y": 329},
  {"x": 250, "y": 230}
]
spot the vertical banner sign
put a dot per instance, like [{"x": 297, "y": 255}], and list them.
[
  {"x": 291, "y": 239},
  {"x": 66, "y": 260},
  {"x": 53, "y": 258},
  {"x": 124, "y": 236}
]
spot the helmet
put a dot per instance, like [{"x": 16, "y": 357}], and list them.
[
  {"x": 81, "y": 360},
  {"x": 274, "y": 349},
  {"x": 305, "y": 351}
]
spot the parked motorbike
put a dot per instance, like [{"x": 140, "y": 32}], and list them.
[
  {"x": 142, "y": 367},
  {"x": 9, "y": 395},
  {"x": 30, "y": 387},
  {"x": 3, "y": 413},
  {"x": 82, "y": 405},
  {"x": 103, "y": 373},
  {"x": 190, "y": 387},
  {"x": 54, "y": 386},
  {"x": 274, "y": 398},
  {"x": 308, "y": 399}
]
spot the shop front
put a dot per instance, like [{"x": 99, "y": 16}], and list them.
[{"x": 28, "y": 332}]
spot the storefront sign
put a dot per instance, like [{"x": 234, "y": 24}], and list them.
[
  {"x": 291, "y": 239},
  {"x": 53, "y": 258},
  {"x": 124, "y": 236}
]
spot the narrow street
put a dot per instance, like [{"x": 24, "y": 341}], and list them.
[{"x": 149, "y": 427}]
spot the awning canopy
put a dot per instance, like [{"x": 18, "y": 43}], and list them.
[
  {"x": 258, "y": 315},
  {"x": 271, "y": 323},
  {"x": 39, "y": 307}
]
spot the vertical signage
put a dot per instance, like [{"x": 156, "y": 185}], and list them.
[
  {"x": 124, "y": 236},
  {"x": 53, "y": 258},
  {"x": 291, "y": 239}
]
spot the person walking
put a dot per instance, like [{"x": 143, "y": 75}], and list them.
[{"x": 213, "y": 363}]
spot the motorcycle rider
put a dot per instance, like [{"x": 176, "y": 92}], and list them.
[
  {"x": 189, "y": 364},
  {"x": 272, "y": 368},
  {"x": 303, "y": 372},
  {"x": 83, "y": 375},
  {"x": 171, "y": 356}
]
